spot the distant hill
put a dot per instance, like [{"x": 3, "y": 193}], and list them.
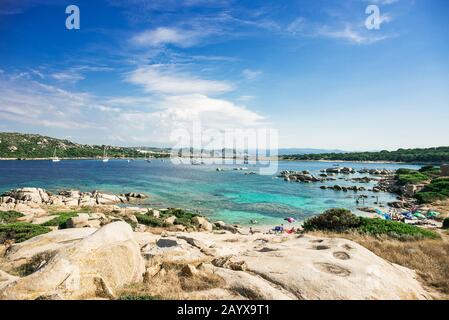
[
  {"x": 25, "y": 146},
  {"x": 292, "y": 151},
  {"x": 427, "y": 155}
]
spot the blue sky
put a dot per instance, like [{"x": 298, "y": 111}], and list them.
[{"x": 136, "y": 70}]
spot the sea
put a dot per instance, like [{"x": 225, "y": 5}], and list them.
[{"x": 230, "y": 195}]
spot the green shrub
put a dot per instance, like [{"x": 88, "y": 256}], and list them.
[
  {"x": 430, "y": 171},
  {"x": 182, "y": 217},
  {"x": 332, "y": 220},
  {"x": 179, "y": 214},
  {"x": 429, "y": 197},
  {"x": 394, "y": 229},
  {"x": 341, "y": 220},
  {"x": 404, "y": 171},
  {"x": 61, "y": 220},
  {"x": 446, "y": 223},
  {"x": 412, "y": 178},
  {"x": 149, "y": 220},
  {"x": 438, "y": 189},
  {"x": 9, "y": 216},
  {"x": 21, "y": 231}
]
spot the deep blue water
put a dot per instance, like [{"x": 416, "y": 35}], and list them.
[{"x": 231, "y": 195}]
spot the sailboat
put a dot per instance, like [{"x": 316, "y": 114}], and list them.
[
  {"x": 105, "y": 158},
  {"x": 55, "y": 158}
]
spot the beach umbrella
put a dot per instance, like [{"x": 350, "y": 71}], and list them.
[
  {"x": 419, "y": 215},
  {"x": 290, "y": 219},
  {"x": 432, "y": 214}
]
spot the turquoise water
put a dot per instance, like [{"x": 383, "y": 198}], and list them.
[{"x": 230, "y": 195}]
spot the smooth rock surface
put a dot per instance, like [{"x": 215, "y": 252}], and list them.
[{"x": 93, "y": 267}]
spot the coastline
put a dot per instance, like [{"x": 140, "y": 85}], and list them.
[
  {"x": 261, "y": 159},
  {"x": 148, "y": 260}
]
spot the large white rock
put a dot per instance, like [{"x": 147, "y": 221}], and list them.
[
  {"x": 202, "y": 223},
  {"x": 93, "y": 267},
  {"x": 36, "y": 195},
  {"x": 49, "y": 242},
  {"x": 331, "y": 269},
  {"x": 103, "y": 198},
  {"x": 306, "y": 267}
]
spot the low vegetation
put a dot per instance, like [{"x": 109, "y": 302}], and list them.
[
  {"x": 405, "y": 176},
  {"x": 182, "y": 218},
  {"x": 20, "y": 231},
  {"x": 9, "y": 216},
  {"x": 332, "y": 220},
  {"x": 435, "y": 155},
  {"x": 436, "y": 190},
  {"x": 394, "y": 229},
  {"x": 342, "y": 220},
  {"x": 61, "y": 220},
  {"x": 149, "y": 220}
]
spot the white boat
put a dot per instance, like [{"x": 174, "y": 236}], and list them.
[
  {"x": 55, "y": 158},
  {"x": 105, "y": 158}
]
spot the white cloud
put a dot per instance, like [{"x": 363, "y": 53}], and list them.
[
  {"x": 163, "y": 35},
  {"x": 167, "y": 79},
  {"x": 37, "y": 104},
  {"x": 182, "y": 112},
  {"x": 352, "y": 35},
  {"x": 213, "y": 112},
  {"x": 135, "y": 119},
  {"x": 74, "y": 74},
  {"x": 67, "y": 76},
  {"x": 251, "y": 74}
]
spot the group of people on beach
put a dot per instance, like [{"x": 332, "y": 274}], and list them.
[{"x": 277, "y": 230}]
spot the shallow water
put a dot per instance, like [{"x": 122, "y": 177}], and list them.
[{"x": 230, "y": 195}]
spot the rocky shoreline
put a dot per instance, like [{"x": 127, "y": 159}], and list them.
[{"x": 104, "y": 249}]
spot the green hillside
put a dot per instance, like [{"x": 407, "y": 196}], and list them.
[
  {"x": 428, "y": 155},
  {"x": 25, "y": 146}
]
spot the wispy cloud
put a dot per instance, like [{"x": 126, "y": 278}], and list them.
[
  {"x": 75, "y": 74},
  {"x": 67, "y": 76},
  {"x": 352, "y": 32},
  {"x": 352, "y": 35},
  {"x": 250, "y": 74},
  {"x": 168, "y": 79},
  {"x": 174, "y": 36},
  {"x": 149, "y": 118}
]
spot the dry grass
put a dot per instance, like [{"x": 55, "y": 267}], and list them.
[
  {"x": 429, "y": 258},
  {"x": 170, "y": 284}
]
